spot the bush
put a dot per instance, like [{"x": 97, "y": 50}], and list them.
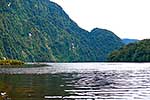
[{"x": 11, "y": 62}]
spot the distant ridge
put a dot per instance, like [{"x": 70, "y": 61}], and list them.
[{"x": 127, "y": 41}]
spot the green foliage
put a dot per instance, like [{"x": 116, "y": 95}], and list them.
[
  {"x": 39, "y": 30},
  {"x": 103, "y": 42},
  {"x": 133, "y": 52},
  {"x": 11, "y": 62}
]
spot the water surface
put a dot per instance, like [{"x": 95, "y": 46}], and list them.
[{"x": 78, "y": 81}]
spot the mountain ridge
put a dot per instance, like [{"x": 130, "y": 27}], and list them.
[
  {"x": 39, "y": 30},
  {"x": 127, "y": 40}
]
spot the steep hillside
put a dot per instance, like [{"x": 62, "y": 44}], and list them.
[
  {"x": 103, "y": 42},
  {"x": 39, "y": 30},
  {"x": 134, "y": 52}
]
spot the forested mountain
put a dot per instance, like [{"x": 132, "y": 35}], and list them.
[
  {"x": 39, "y": 30},
  {"x": 133, "y": 52},
  {"x": 127, "y": 41},
  {"x": 102, "y": 42}
]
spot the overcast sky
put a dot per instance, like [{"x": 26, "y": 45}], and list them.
[{"x": 126, "y": 18}]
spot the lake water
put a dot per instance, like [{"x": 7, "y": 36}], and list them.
[{"x": 77, "y": 81}]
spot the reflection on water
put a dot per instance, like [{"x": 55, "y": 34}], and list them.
[
  {"x": 32, "y": 87},
  {"x": 91, "y": 81}
]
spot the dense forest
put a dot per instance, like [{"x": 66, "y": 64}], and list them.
[
  {"x": 133, "y": 52},
  {"x": 39, "y": 30}
]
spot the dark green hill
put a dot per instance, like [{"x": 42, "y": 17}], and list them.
[
  {"x": 103, "y": 42},
  {"x": 133, "y": 52},
  {"x": 39, "y": 30}
]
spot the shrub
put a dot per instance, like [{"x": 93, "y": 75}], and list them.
[{"x": 11, "y": 62}]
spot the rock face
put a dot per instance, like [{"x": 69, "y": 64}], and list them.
[
  {"x": 39, "y": 30},
  {"x": 133, "y": 52}
]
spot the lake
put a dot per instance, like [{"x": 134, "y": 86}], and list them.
[{"x": 77, "y": 81}]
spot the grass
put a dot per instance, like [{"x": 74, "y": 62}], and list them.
[{"x": 11, "y": 62}]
